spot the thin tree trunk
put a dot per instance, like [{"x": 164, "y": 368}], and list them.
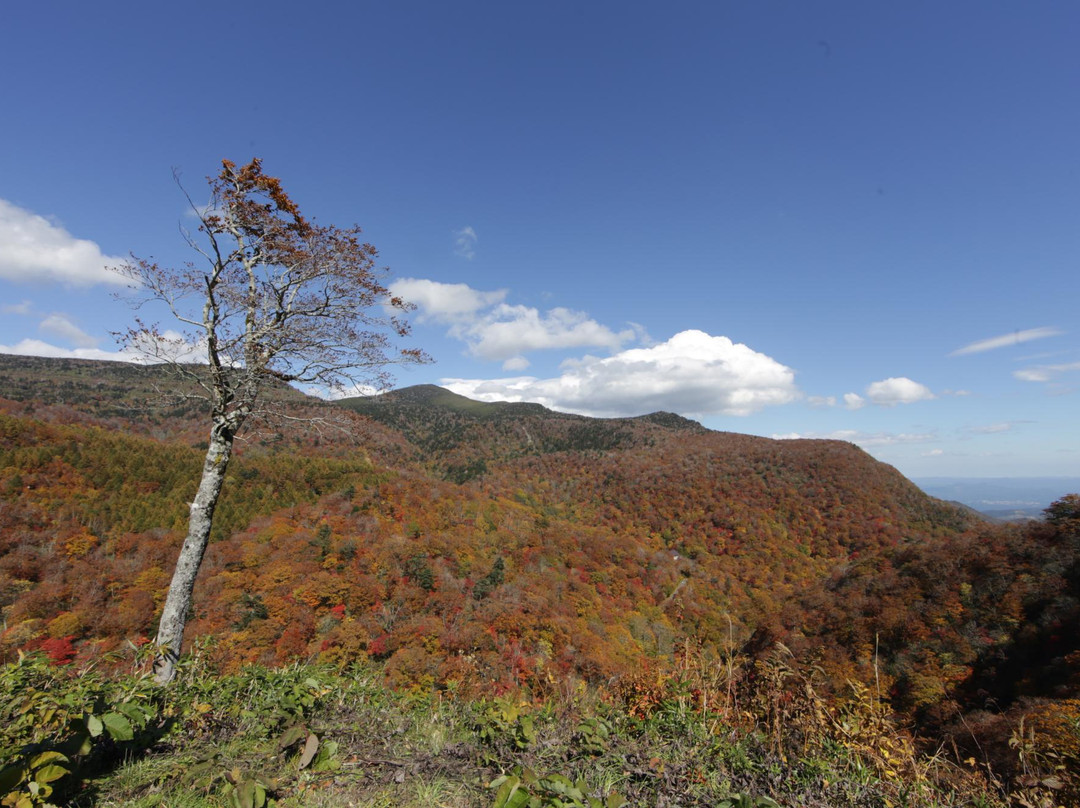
[{"x": 170, "y": 634}]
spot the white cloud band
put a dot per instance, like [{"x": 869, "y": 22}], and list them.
[
  {"x": 1005, "y": 340},
  {"x": 863, "y": 439},
  {"x": 693, "y": 373},
  {"x": 1045, "y": 373}
]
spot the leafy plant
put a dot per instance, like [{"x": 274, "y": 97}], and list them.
[
  {"x": 748, "y": 801},
  {"x": 55, "y": 723},
  {"x": 506, "y": 722},
  {"x": 526, "y": 790},
  {"x": 593, "y": 735}
]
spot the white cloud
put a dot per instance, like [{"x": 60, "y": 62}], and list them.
[
  {"x": 890, "y": 392},
  {"x": 517, "y": 363},
  {"x": 1005, "y": 340},
  {"x": 444, "y": 302},
  {"x": 171, "y": 346},
  {"x": 499, "y": 332},
  {"x": 347, "y": 391},
  {"x": 641, "y": 335},
  {"x": 25, "y": 307},
  {"x": 821, "y": 401},
  {"x": 853, "y": 401},
  {"x": 507, "y": 331},
  {"x": 692, "y": 373},
  {"x": 465, "y": 243},
  {"x": 864, "y": 439},
  {"x": 1045, "y": 373},
  {"x": 892, "y": 439},
  {"x": 35, "y": 249},
  {"x": 60, "y": 326},
  {"x": 934, "y": 453},
  {"x": 1041, "y": 355},
  {"x": 36, "y": 347}
]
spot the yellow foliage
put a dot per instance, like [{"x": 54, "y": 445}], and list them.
[
  {"x": 79, "y": 545},
  {"x": 155, "y": 581},
  {"x": 321, "y": 589},
  {"x": 21, "y": 633},
  {"x": 64, "y": 624},
  {"x": 1057, "y": 727}
]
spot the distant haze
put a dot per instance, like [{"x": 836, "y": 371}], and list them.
[{"x": 1000, "y": 493}]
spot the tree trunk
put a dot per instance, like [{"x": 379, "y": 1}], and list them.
[{"x": 174, "y": 616}]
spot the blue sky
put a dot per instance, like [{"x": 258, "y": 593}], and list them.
[{"x": 834, "y": 219}]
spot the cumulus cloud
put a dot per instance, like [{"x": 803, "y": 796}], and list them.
[
  {"x": 35, "y": 249},
  {"x": 1045, "y": 373},
  {"x": 893, "y": 391},
  {"x": 465, "y": 243},
  {"x": 507, "y": 331},
  {"x": 1005, "y": 340},
  {"x": 444, "y": 302},
  {"x": 60, "y": 326},
  {"x": 853, "y": 401},
  {"x": 693, "y": 373},
  {"x": 864, "y": 439},
  {"x": 498, "y": 331}
]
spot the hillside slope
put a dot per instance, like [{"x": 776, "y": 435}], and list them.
[{"x": 486, "y": 548}]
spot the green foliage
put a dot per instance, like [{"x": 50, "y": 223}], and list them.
[
  {"x": 506, "y": 722},
  {"x": 306, "y": 735},
  {"x": 747, "y": 801},
  {"x": 1065, "y": 511},
  {"x": 487, "y": 584},
  {"x": 246, "y": 790},
  {"x": 418, "y": 569},
  {"x": 253, "y": 609},
  {"x": 525, "y": 789},
  {"x": 594, "y": 735},
  {"x": 56, "y": 726}
]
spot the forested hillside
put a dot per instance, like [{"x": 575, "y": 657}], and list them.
[{"x": 484, "y": 549}]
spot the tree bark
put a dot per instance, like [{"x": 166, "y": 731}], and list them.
[{"x": 170, "y": 634}]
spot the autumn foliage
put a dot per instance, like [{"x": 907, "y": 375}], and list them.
[{"x": 606, "y": 561}]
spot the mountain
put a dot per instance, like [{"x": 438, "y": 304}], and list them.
[
  {"x": 145, "y": 398},
  {"x": 494, "y": 546},
  {"x": 459, "y": 437}
]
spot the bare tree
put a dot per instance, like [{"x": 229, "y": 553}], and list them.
[{"x": 273, "y": 296}]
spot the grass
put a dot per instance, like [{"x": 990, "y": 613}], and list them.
[{"x": 311, "y": 736}]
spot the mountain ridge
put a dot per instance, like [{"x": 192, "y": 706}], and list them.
[{"x": 480, "y": 546}]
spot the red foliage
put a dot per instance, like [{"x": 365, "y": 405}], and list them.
[
  {"x": 380, "y": 646},
  {"x": 60, "y": 650}
]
